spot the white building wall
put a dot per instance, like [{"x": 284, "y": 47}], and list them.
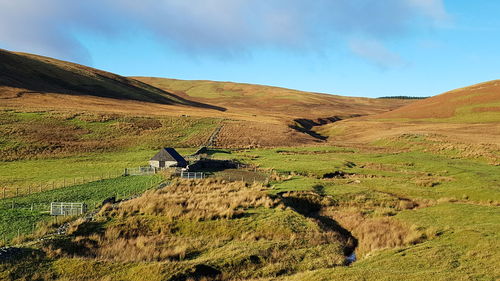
[{"x": 162, "y": 164}]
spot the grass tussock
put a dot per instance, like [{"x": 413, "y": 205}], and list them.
[
  {"x": 233, "y": 227},
  {"x": 379, "y": 232},
  {"x": 200, "y": 200}
]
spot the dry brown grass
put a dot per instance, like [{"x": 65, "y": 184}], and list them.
[
  {"x": 199, "y": 200},
  {"x": 262, "y": 113},
  {"x": 47, "y": 134},
  {"x": 447, "y": 104},
  {"x": 377, "y": 233},
  {"x": 235, "y": 227},
  {"x": 465, "y": 140},
  {"x": 259, "y": 100},
  {"x": 145, "y": 226},
  {"x": 238, "y": 134}
]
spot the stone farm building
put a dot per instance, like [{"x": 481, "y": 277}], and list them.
[{"x": 167, "y": 157}]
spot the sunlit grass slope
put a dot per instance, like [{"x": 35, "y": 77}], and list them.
[
  {"x": 454, "y": 201},
  {"x": 31, "y": 135},
  {"x": 474, "y": 104},
  {"x": 266, "y": 100}
]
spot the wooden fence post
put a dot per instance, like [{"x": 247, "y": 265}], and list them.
[
  {"x": 17, "y": 191},
  {"x": 4, "y": 192}
]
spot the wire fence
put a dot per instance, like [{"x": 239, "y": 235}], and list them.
[
  {"x": 61, "y": 211},
  {"x": 140, "y": 171},
  {"x": 36, "y": 187}
]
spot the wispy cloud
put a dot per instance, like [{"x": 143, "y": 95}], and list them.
[
  {"x": 215, "y": 27},
  {"x": 376, "y": 52}
]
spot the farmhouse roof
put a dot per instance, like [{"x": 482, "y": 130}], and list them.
[{"x": 168, "y": 154}]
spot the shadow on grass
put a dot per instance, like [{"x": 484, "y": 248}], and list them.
[{"x": 309, "y": 205}]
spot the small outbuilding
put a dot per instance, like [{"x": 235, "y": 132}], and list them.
[{"x": 167, "y": 157}]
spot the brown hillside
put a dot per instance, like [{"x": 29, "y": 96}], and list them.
[
  {"x": 27, "y": 74},
  {"x": 464, "y": 121},
  {"x": 261, "y": 100},
  {"x": 252, "y": 115},
  {"x": 461, "y": 104}
]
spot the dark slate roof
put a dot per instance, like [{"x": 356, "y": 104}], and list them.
[{"x": 168, "y": 154}]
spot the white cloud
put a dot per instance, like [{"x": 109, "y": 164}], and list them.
[
  {"x": 211, "y": 27},
  {"x": 376, "y": 52},
  {"x": 435, "y": 9}
]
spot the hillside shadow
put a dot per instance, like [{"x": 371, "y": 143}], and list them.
[
  {"x": 213, "y": 165},
  {"x": 306, "y": 126},
  {"x": 37, "y": 76},
  {"x": 310, "y": 206}
]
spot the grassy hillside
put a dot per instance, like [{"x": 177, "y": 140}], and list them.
[
  {"x": 45, "y": 104},
  {"x": 463, "y": 122},
  {"x": 27, "y": 74},
  {"x": 474, "y": 104},
  {"x": 266, "y": 100},
  {"x": 31, "y": 135}
]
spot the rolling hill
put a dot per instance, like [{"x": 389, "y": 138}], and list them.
[
  {"x": 474, "y": 104},
  {"x": 250, "y": 115},
  {"x": 272, "y": 101},
  {"x": 27, "y": 74},
  {"x": 465, "y": 121}
]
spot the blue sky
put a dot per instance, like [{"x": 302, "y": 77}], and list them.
[{"x": 347, "y": 47}]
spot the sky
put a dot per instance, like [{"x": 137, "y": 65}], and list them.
[{"x": 367, "y": 48}]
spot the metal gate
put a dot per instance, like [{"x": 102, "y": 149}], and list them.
[
  {"x": 67, "y": 209},
  {"x": 192, "y": 175}
]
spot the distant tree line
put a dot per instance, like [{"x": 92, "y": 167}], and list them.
[{"x": 403, "y": 97}]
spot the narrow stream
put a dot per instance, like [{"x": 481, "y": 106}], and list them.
[
  {"x": 351, "y": 258},
  {"x": 309, "y": 207}
]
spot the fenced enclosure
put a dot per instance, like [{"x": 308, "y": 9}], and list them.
[
  {"x": 21, "y": 215},
  {"x": 67, "y": 209},
  {"x": 29, "y": 188}
]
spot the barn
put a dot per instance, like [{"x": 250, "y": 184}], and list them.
[{"x": 167, "y": 157}]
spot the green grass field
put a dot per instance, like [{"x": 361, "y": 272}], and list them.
[
  {"x": 467, "y": 249},
  {"x": 415, "y": 174},
  {"x": 77, "y": 159},
  {"x": 442, "y": 208},
  {"x": 21, "y": 219},
  {"x": 462, "y": 197}
]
